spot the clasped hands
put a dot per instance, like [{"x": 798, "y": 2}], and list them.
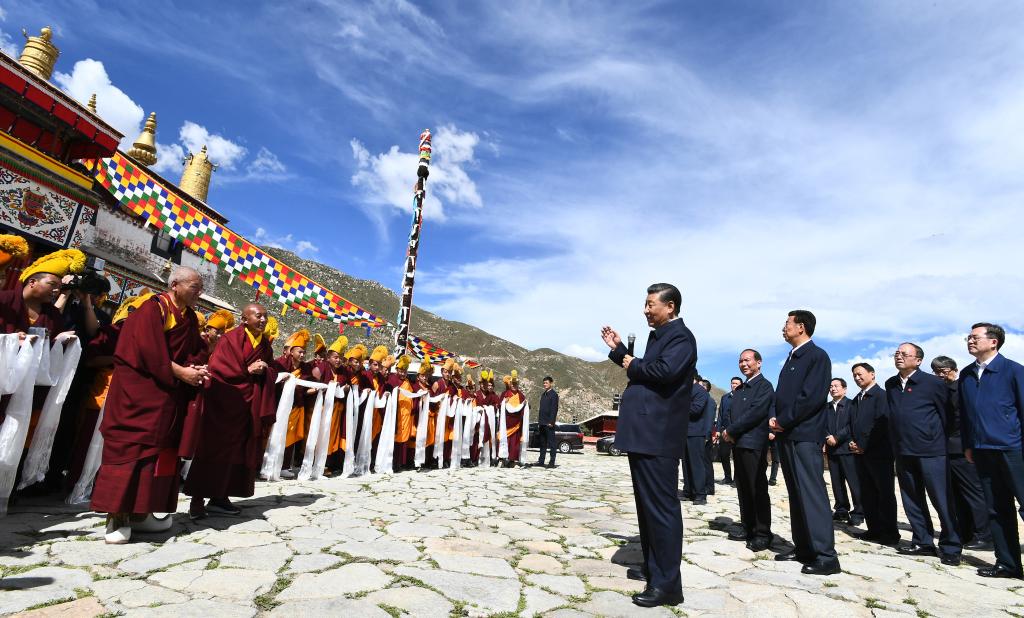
[
  {"x": 193, "y": 375},
  {"x": 258, "y": 367},
  {"x": 613, "y": 340}
]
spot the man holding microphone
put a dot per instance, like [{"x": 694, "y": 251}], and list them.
[{"x": 652, "y": 426}]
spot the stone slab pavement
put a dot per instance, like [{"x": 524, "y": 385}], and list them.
[{"x": 477, "y": 542}]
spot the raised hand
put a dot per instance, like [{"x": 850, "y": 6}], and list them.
[{"x": 610, "y": 337}]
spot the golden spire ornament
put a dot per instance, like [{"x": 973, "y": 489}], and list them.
[
  {"x": 195, "y": 179},
  {"x": 92, "y": 103},
  {"x": 144, "y": 148},
  {"x": 39, "y": 55}
]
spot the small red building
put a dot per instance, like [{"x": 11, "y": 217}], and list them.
[{"x": 602, "y": 424}]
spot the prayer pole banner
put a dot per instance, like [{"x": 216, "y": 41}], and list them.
[
  {"x": 142, "y": 195},
  {"x": 426, "y": 350}
]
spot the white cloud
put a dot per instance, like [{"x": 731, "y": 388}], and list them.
[
  {"x": 222, "y": 151},
  {"x": 386, "y": 179},
  {"x": 585, "y": 352},
  {"x": 170, "y": 161},
  {"x": 90, "y": 77},
  {"x": 303, "y": 248},
  {"x": 266, "y": 163}
]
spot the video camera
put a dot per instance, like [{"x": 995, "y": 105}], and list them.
[{"x": 91, "y": 281}]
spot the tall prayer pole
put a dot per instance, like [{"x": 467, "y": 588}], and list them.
[{"x": 409, "y": 276}]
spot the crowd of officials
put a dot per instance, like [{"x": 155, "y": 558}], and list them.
[{"x": 949, "y": 439}]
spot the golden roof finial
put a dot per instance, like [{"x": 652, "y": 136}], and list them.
[
  {"x": 39, "y": 55},
  {"x": 195, "y": 180},
  {"x": 144, "y": 148},
  {"x": 92, "y": 103}
]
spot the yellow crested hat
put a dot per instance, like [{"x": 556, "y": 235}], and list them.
[
  {"x": 340, "y": 345},
  {"x": 469, "y": 379},
  {"x": 200, "y": 317},
  {"x": 388, "y": 361},
  {"x": 402, "y": 364},
  {"x": 457, "y": 368},
  {"x": 128, "y": 305},
  {"x": 426, "y": 368},
  {"x": 222, "y": 320},
  {"x": 58, "y": 263},
  {"x": 449, "y": 364},
  {"x": 358, "y": 352},
  {"x": 507, "y": 380},
  {"x": 298, "y": 339},
  {"x": 11, "y": 247},
  {"x": 272, "y": 329},
  {"x": 319, "y": 343},
  {"x": 515, "y": 375},
  {"x": 379, "y": 353}
]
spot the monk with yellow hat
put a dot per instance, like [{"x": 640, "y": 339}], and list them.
[
  {"x": 218, "y": 323},
  {"x": 340, "y": 374},
  {"x": 292, "y": 361},
  {"x": 490, "y": 398},
  {"x": 406, "y": 420},
  {"x": 513, "y": 420},
  {"x": 357, "y": 378},
  {"x": 423, "y": 378},
  {"x": 12, "y": 248}
]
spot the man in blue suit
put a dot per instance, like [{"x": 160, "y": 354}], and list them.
[
  {"x": 652, "y": 429},
  {"x": 748, "y": 433},
  {"x": 693, "y": 457},
  {"x": 872, "y": 451},
  {"x": 724, "y": 418},
  {"x": 841, "y": 466},
  {"x": 992, "y": 424},
  {"x": 918, "y": 411},
  {"x": 709, "y": 432},
  {"x": 799, "y": 425}
]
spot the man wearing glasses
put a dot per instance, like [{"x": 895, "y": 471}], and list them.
[
  {"x": 968, "y": 496},
  {"x": 992, "y": 406},
  {"x": 918, "y": 410}
]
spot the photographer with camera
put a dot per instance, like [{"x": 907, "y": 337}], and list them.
[{"x": 79, "y": 296}]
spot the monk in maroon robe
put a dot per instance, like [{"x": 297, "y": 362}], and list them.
[
  {"x": 155, "y": 377},
  {"x": 491, "y": 398},
  {"x": 238, "y": 407}
]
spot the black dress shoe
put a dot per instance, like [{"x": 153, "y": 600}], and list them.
[
  {"x": 891, "y": 541},
  {"x": 652, "y": 597},
  {"x": 998, "y": 571},
  {"x": 738, "y": 536},
  {"x": 756, "y": 546},
  {"x": 838, "y": 516},
  {"x": 636, "y": 575},
  {"x": 551, "y": 465},
  {"x": 789, "y": 556},
  {"x": 773, "y": 482},
  {"x": 700, "y": 501},
  {"x": 822, "y": 567},
  {"x": 950, "y": 559},
  {"x": 855, "y": 521},
  {"x": 917, "y": 550},
  {"x": 979, "y": 545}
]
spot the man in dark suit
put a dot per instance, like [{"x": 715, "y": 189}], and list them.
[
  {"x": 546, "y": 421},
  {"x": 841, "y": 467},
  {"x": 724, "y": 418},
  {"x": 992, "y": 422},
  {"x": 748, "y": 433},
  {"x": 872, "y": 452},
  {"x": 918, "y": 409},
  {"x": 652, "y": 428},
  {"x": 969, "y": 506},
  {"x": 799, "y": 426},
  {"x": 694, "y": 474},
  {"x": 710, "y": 413}
]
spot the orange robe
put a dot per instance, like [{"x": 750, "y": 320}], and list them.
[{"x": 513, "y": 422}]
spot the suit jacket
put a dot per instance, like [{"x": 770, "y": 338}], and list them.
[
  {"x": 954, "y": 443},
  {"x": 724, "y": 412},
  {"x": 751, "y": 408},
  {"x": 654, "y": 411},
  {"x": 839, "y": 426},
  {"x": 869, "y": 423},
  {"x": 698, "y": 411},
  {"x": 992, "y": 408},
  {"x": 917, "y": 415},
  {"x": 711, "y": 408},
  {"x": 800, "y": 398},
  {"x": 548, "y": 407}
]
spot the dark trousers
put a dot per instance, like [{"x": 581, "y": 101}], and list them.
[
  {"x": 655, "y": 480},
  {"x": 843, "y": 471},
  {"x": 752, "y": 491},
  {"x": 694, "y": 474},
  {"x": 724, "y": 457},
  {"x": 878, "y": 495},
  {"x": 548, "y": 441},
  {"x": 928, "y": 475},
  {"x": 968, "y": 500},
  {"x": 709, "y": 468},
  {"x": 811, "y": 517},
  {"x": 1002, "y": 477},
  {"x": 773, "y": 448}
]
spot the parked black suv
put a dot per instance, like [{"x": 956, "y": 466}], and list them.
[
  {"x": 607, "y": 445},
  {"x": 569, "y": 437}
]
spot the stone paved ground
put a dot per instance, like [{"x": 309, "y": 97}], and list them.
[{"x": 479, "y": 542}]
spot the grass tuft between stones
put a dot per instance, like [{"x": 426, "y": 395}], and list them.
[
  {"x": 873, "y": 603},
  {"x": 267, "y": 600}
]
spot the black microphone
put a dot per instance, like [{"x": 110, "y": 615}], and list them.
[{"x": 631, "y": 338}]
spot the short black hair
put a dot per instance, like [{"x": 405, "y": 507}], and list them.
[
  {"x": 865, "y": 366},
  {"x": 698, "y": 378},
  {"x": 806, "y": 318},
  {"x": 917, "y": 349},
  {"x": 943, "y": 362},
  {"x": 548, "y": 379},
  {"x": 993, "y": 331},
  {"x": 706, "y": 383},
  {"x": 667, "y": 293},
  {"x": 735, "y": 378},
  {"x": 840, "y": 380},
  {"x": 757, "y": 355}
]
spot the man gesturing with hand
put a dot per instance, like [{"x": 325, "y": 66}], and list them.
[{"x": 653, "y": 419}]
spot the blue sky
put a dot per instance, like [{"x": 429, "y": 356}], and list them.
[{"x": 862, "y": 160}]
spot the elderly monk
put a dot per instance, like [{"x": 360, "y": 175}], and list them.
[
  {"x": 238, "y": 407},
  {"x": 293, "y": 362},
  {"x": 513, "y": 420},
  {"x": 155, "y": 377}
]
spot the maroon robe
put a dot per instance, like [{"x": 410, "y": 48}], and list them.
[
  {"x": 14, "y": 319},
  {"x": 100, "y": 346},
  {"x": 145, "y": 409},
  {"x": 238, "y": 410}
]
